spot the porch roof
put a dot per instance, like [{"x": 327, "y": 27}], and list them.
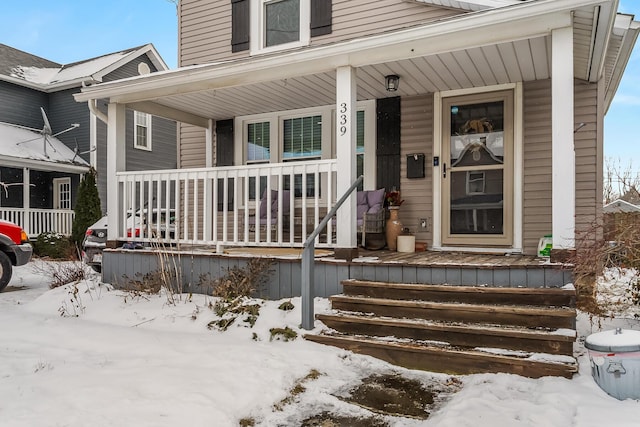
[
  {"x": 23, "y": 147},
  {"x": 482, "y": 48}
]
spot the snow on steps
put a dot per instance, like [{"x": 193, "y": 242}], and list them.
[{"x": 456, "y": 329}]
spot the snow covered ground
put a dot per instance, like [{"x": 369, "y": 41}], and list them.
[{"x": 98, "y": 357}]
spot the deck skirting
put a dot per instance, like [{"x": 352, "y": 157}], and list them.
[{"x": 284, "y": 280}]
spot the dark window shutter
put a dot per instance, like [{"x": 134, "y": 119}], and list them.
[
  {"x": 320, "y": 17},
  {"x": 224, "y": 157},
  {"x": 240, "y": 25},
  {"x": 388, "y": 143}
]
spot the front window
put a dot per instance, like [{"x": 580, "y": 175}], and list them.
[
  {"x": 142, "y": 131},
  {"x": 258, "y": 142},
  {"x": 281, "y": 22},
  {"x": 301, "y": 135},
  {"x": 302, "y": 138}
]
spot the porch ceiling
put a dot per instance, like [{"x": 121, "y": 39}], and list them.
[
  {"x": 522, "y": 60},
  {"x": 479, "y": 49}
]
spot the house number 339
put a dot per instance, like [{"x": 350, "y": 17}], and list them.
[{"x": 343, "y": 119}]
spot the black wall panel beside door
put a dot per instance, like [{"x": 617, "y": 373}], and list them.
[
  {"x": 224, "y": 157},
  {"x": 388, "y": 143}
]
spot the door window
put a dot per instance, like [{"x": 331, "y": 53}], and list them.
[{"x": 477, "y": 169}]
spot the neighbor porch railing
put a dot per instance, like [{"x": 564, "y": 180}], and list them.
[
  {"x": 36, "y": 221},
  {"x": 221, "y": 206}
]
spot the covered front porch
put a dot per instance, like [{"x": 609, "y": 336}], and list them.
[
  {"x": 39, "y": 178},
  {"x": 525, "y": 65}
]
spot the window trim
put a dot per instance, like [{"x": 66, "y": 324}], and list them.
[
  {"x": 257, "y": 16},
  {"x": 149, "y": 119},
  {"x": 57, "y": 199},
  {"x": 328, "y": 135}
]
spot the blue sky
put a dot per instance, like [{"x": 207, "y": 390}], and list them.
[{"x": 66, "y": 31}]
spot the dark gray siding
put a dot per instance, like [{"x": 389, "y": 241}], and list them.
[
  {"x": 63, "y": 111},
  {"x": 163, "y": 144},
  {"x": 129, "y": 69},
  {"x": 163, "y": 131},
  {"x": 21, "y": 106}
]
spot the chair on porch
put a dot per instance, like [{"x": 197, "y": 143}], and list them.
[
  {"x": 371, "y": 218},
  {"x": 262, "y": 220}
]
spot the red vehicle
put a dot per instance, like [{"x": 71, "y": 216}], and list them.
[{"x": 15, "y": 250}]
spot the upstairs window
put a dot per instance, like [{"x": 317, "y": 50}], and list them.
[
  {"x": 281, "y": 22},
  {"x": 142, "y": 131},
  {"x": 268, "y": 25}
]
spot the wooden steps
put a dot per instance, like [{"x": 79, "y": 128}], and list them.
[
  {"x": 446, "y": 360},
  {"x": 456, "y": 329}
]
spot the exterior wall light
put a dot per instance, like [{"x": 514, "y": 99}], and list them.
[{"x": 392, "y": 82}]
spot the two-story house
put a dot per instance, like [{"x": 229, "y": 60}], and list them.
[
  {"x": 307, "y": 94},
  {"x": 487, "y": 115},
  {"x": 49, "y": 140}
]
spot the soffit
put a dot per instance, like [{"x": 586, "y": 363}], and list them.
[{"x": 523, "y": 59}]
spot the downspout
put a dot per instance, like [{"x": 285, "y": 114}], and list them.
[{"x": 93, "y": 107}]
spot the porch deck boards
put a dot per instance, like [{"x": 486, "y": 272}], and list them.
[{"x": 466, "y": 259}]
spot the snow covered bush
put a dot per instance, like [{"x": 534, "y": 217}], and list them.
[{"x": 53, "y": 245}]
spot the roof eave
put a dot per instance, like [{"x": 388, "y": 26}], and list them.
[
  {"x": 154, "y": 56},
  {"x": 365, "y": 51},
  {"x": 44, "y": 165},
  {"x": 603, "y": 27},
  {"x": 630, "y": 37}
]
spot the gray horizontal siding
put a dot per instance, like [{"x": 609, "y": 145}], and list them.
[
  {"x": 163, "y": 153},
  {"x": 130, "y": 69},
  {"x": 537, "y": 163},
  {"x": 21, "y": 105},
  {"x": 63, "y": 111}
]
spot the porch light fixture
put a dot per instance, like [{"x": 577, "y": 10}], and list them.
[{"x": 391, "y": 82}]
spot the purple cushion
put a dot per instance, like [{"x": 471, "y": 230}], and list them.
[
  {"x": 263, "y": 203},
  {"x": 375, "y": 208},
  {"x": 362, "y": 198},
  {"x": 362, "y": 209},
  {"x": 375, "y": 197}
]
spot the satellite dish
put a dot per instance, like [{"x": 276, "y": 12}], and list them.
[{"x": 46, "y": 132}]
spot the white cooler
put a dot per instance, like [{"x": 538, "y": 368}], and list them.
[{"x": 615, "y": 362}]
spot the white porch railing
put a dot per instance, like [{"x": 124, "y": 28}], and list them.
[
  {"x": 218, "y": 206},
  {"x": 36, "y": 221}
]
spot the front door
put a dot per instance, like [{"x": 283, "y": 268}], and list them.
[{"x": 477, "y": 170}]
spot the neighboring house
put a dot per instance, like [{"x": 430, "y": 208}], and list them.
[
  {"x": 621, "y": 220},
  {"x": 307, "y": 94},
  {"x": 41, "y": 179},
  {"x": 620, "y": 206}
]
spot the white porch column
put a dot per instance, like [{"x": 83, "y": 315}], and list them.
[
  {"x": 26, "y": 200},
  {"x": 208, "y": 191},
  {"x": 346, "y": 153},
  {"x": 115, "y": 163},
  {"x": 563, "y": 153}
]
